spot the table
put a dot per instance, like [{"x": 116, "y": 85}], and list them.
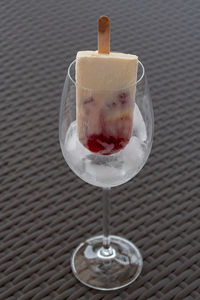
[{"x": 45, "y": 210}]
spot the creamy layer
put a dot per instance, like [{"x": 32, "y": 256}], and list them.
[{"x": 105, "y": 71}]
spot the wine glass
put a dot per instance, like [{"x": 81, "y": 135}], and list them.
[{"x": 106, "y": 262}]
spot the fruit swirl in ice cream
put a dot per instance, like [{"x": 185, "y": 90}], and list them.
[{"x": 105, "y": 116}]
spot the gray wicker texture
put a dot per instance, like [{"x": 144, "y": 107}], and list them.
[{"x": 45, "y": 210}]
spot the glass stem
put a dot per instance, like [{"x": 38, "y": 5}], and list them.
[{"x": 106, "y": 222}]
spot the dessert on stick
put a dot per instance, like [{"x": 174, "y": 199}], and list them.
[{"x": 105, "y": 93}]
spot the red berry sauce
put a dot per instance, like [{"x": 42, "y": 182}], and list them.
[
  {"x": 106, "y": 145},
  {"x": 123, "y": 98}
]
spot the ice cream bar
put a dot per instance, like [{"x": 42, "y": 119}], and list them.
[{"x": 105, "y": 92}]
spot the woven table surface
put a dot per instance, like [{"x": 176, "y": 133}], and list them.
[{"x": 45, "y": 210}]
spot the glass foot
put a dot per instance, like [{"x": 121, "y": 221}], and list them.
[{"x": 112, "y": 269}]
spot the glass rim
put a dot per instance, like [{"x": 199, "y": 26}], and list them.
[{"x": 74, "y": 82}]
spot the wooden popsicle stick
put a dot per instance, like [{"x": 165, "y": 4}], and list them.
[{"x": 104, "y": 35}]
